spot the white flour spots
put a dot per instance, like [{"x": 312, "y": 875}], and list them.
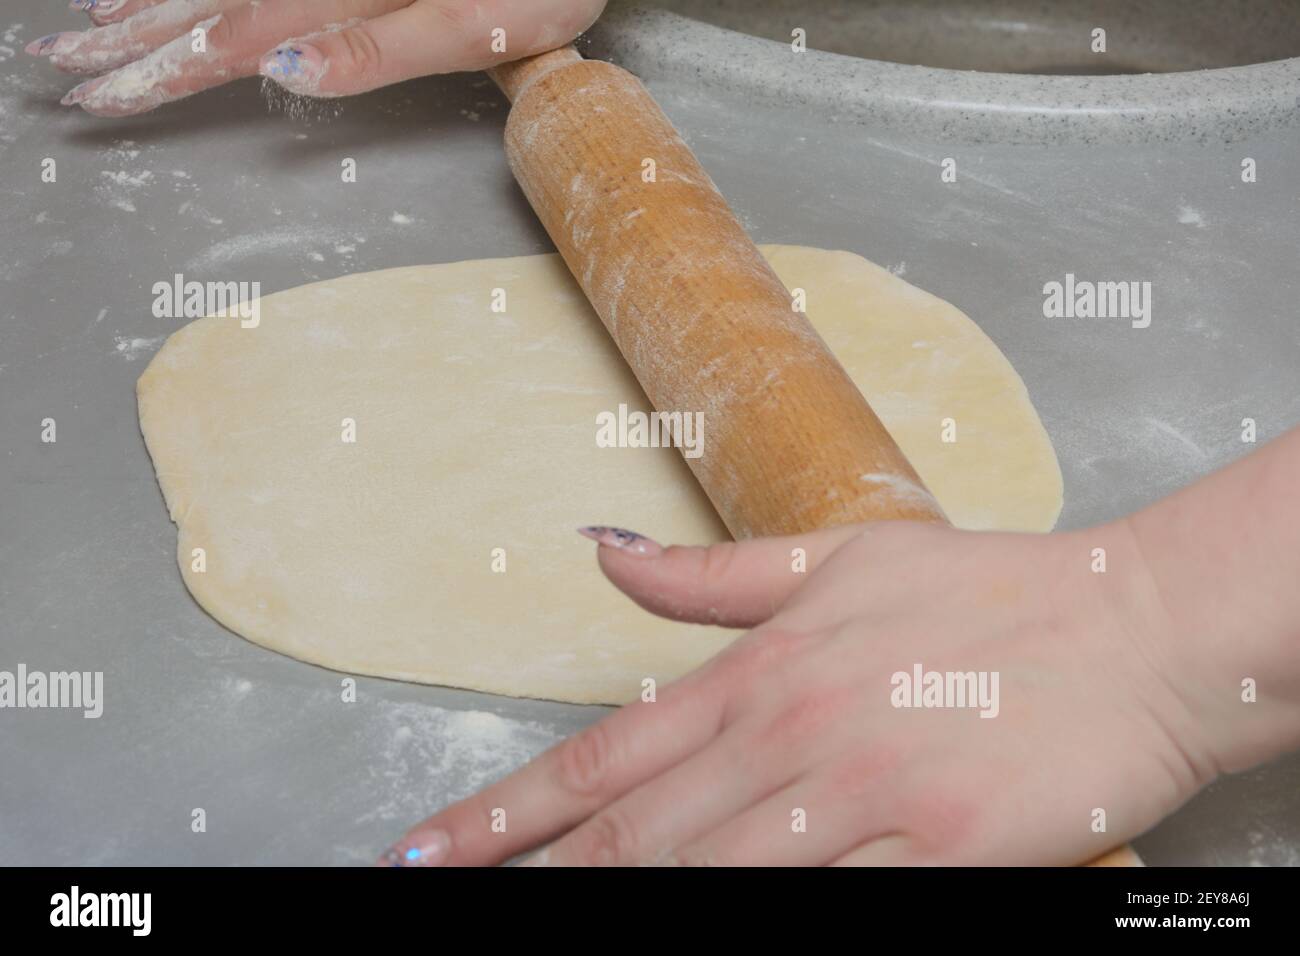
[
  {"x": 10, "y": 36},
  {"x": 127, "y": 180},
  {"x": 123, "y": 150},
  {"x": 901, "y": 488},
  {"x": 1268, "y": 847},
  {"x": 239, "y": 249},
  {"x": 119, "y": 188},
  {"x": 1163, "y": 431},
  {"x": 426, "y": 757},
  {"x": 133, "y": 348},
  {"x": 1188, "y": 216},
  {"x": 400, "y": 219}
]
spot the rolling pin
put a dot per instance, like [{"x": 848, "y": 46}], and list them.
[
  {"x": 698, "y": 314},
  {"x": 700, "y": 317}
]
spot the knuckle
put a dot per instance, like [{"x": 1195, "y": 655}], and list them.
[
  {"x": 585, "y": 761},
  {"x": 223, "y": 34},
  {"x": 699, "y": 855},
  {"x": 362, "y": 51},
  {"x": 610, "y": 839},
  {"x": 718, "y": 561},
  {"x": 455, "y": 14}
]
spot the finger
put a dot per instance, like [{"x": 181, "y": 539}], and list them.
[
  {"x": 569, "y": 782},
  {"x": 732, "y": 583},
  {"x": 893, "y": 849},
  {"x": 109, "y": 47},
  {"x": 231, "y": 47},
  {"x": 102, "y": 12},
  {"x": 809, "y": 822},
  {"x": 698, "y": 795},
  {"x": 422, "y": 39}
]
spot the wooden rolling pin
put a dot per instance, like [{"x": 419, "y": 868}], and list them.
[{"x": 705, "y": 324}]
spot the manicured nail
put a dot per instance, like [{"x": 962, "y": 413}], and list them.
[
  {"x": 43, "y": 46},
  {"x": 297, "y": 67},
  {"x": 83, "y": 90},
  {"x": 628, "y": 541},
  {"x": 418, "y": 848},
  {"x": 102, "y": 7}
]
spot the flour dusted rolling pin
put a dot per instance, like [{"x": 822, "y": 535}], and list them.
[{"x": 790, "y": 444}]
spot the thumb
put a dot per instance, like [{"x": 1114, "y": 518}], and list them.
[{"x": 732, "y": 583}]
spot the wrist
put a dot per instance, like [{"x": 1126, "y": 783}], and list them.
[{"x": 1226, "y": 641}]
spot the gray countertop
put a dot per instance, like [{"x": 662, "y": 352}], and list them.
[{"x": 218, "y": 187}]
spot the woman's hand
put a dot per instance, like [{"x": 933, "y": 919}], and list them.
[
  {"x": 150, "y": 52},
  {"x": 789, "y": 748}
]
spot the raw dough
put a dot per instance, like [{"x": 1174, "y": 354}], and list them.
[{"x": 475, "y": 430}]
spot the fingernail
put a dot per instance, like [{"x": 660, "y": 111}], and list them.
[
  {"x": 297, "y": 67},
  {"x": 101, "y": 7},
  {"x": 628, "y": 541},
  {"x": 83, "y": 90},
  {"x": 418, "y": 848},
  {"x": 43, "y": 46}
]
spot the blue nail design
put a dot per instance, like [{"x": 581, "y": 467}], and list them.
[{"x": 287, "y": 62}]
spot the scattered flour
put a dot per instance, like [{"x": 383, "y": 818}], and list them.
[
  {"x": 1191, "y": 217},
  {"x": 400, "y": 219},
  {"x": 119, "y": 188},
  {"x": 131, "y": 348},
  {"x": 238, "y": 249},
  {"x": 426, "y": 757}
]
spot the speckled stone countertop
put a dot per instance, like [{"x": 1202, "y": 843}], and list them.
[{"x": 1203, "y": 105}]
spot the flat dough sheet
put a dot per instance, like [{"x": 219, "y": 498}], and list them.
[{"x": 475, "y": 431}]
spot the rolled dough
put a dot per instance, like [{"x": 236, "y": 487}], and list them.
[{"x": 475, "y": 431}]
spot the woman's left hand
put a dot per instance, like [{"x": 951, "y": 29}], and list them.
[{"x": 153, "y": 51}]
